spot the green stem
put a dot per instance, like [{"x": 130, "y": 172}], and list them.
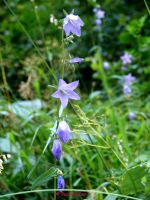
[
  {"x": 68, "y": 190},
  {"x": 63, "y": 49},
  {"x": 147, "y": 6},
  {"x": 55, "y": 188}
]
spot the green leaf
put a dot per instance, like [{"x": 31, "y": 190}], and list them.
[
  {"x": 46, "y": 176},
  {"x": 135, "y": 26},
  {"x": 131, "y": 180}
]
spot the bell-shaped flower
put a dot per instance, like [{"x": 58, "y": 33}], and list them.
[
  {"x": 60, "y": 182},
  {"x": 57, "y": 149},
  {"x": 65, "y": 92},
  {"x": 72, "y": 24},
  {"x": 76, "y": 60},
  {"x": 63, "y": 132}
]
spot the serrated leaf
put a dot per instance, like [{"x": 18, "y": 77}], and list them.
[
  {"x": 43, "y": 178},
  {"x": 131, "y": 180},
  {"x": 135, "y": 26}
]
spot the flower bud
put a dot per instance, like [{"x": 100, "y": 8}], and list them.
[
  {"x": 57, "y": 149},
  {"x": 60, "y": 182},
  {"x": 63, "y": 131}
]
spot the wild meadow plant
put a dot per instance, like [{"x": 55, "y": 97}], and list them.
[
  {"x": 71, "y": 24},
  {"x": 103, "y": 156}
]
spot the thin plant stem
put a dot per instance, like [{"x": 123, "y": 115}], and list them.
[
  {"x": 147, "y": 6},
  {"x": 4, "y": 78},
  {"x": 68, "y": 190},
  {"x": 63, "y": 49}
]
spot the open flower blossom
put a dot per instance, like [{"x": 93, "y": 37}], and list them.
[
  {"x": 131, "y": 115},
  {"x": 76, "y": 60},
  {"x": 57, "y": 149},
  {"x": 60, "y": 182},
  {"x": 126, "y": 58},
  {"x": 72, "y": 24},
  {"x": 65, "y": 92},
  {"x": 63, "y": 131},
  {"x": 106, "y": 65}
]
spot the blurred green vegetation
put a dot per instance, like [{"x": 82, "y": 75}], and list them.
[{"x": 108, "y": 152}]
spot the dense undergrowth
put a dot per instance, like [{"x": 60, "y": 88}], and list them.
[{"x": 108, "y": 155}]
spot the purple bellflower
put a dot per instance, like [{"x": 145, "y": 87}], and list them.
[
  {"x": 63, "y": 131},
  {"x": 65, "y": 92},
  {"x": 76, "y": 60},
  {"x": 127, "y": 89},
  {"x": 100, "y": 14},
  {"x": 72, "y": 24},
  {"x": 57, "y": 149},
  {"x": 126, "y": 58},
  {"x": 131, "y": 115},
  {"x": 60, "y": 182},
  {"x": 106, "y": 65},
  {"x": 98, "y": 21},
  {"x": 129, "y": 79}
]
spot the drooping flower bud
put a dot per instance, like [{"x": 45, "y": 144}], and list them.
[
  {"x": 60, "y": 182},
  {"x": 57, "y": 149},
  {"x": 63, "y": 131},
  {"x": 131, "y": 115}
]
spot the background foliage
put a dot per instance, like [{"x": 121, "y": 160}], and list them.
[{"x": 108, "y": 152}]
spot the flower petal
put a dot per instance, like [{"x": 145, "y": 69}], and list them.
[
  {"x": 61, "y": 83},
  {"x": 72, "y": 85},
  {"x": 56, "y": 94},
  {"x": 79, "y": 21},
  {"x": 67, "y": 28},
  {"x": 64, "y": 100},
  {"x": 73, "y": 95}
]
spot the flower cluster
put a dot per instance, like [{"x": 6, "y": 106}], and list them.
[
  {"x": 72, "y": 25},
  {"x": 3, "y": 158},
  {"x": 128, "y": 80},
  {"x": 63, "y": 133},
  {"x": 100, "y": 14}
]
